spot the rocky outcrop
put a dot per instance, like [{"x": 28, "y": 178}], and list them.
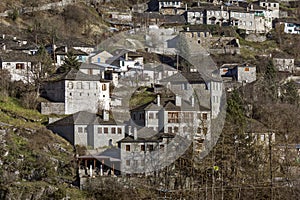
[{"x": 34, "y": 164}]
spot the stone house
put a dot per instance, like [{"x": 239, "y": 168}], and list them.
[
  {"x": 126, "y": 60},
  {"x": 284, "y": 64},
  {"x": 239, "y": 72},
  {"x": 199, "y": 34},
  {"x": 88, "y": 129},
  {"x": 187, "y": 84},
  {"x": 291, "y": 27},
  {"x": 271, "y": 5},
  {"x": 61, "y": 54},
  {"x": 169, "y": 3},
  {"x": 75, "y": 91},
  {"x": 216, "y": 15},
  {"x": 99, "y": 57},
  {"x": 145, "y": 151},
  {"x": 195, "y": 16},
  {"x": 20, "y": 65}
]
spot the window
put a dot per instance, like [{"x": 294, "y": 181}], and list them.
[
  {"x": 80, "y": 130},
  {"x": 169, "y": 129},
  {"x": 20, "y": 66},
  {"x": 142, "y": 147},
  {"x": 99, "y": 130},
  {"x": 151, "y": 115},
  {"x": 79, "y": 85},
  {"x": 90, "y": 71},
  {"x": 106, "y": 130},
  {"x": 99, "y": 59},
  {"x": 176, "y": 129},
  {"x": 127, "y": 162},
  {"x": 205, "y": 131},
  {"x": 161, "y": 147},
  {"x": 70, "y": 85},
  {"x": 127, "y": 147},
  {"x": 88, "y": 86},
  {"x": 104, "y": 87},
  {"x": 173, "y": 117},
  {"x": 184, "y": 86},
  {"x": 246, "y": 69},
  {"x": 85, "y": 129},
  {"x": 113, "y": 130},
  {"x": 204, "y": 116},
  {"x": 150, "y": 147},
  {"x": 119, "y": 130},
  {"x": 199, "y": 130}
]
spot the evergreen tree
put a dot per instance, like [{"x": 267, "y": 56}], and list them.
[
  {"x": 290, "y": 93},
  {"x": 70, "y": 62}
]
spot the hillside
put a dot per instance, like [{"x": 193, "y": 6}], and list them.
[{"x": 30, "y": 167}]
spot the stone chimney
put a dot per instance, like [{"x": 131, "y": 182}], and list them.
[
  {"x": 4, "y": 47},
  {"x": 186, "y": 8},
  {"x": 193, "y": 101},
  {"x": 105, "y": 115},
  {"x": 66, "y": 49},
  {"x": 135, "y": 133},
  {"x": 158, "y": 100},
  {"x": 178, "y": 100},
  {"x": 129, "y": 130}
]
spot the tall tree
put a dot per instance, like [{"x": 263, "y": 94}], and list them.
[{"x": 70, "y": 62}]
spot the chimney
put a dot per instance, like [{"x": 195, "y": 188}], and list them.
[
  {"x": 105, "y": 115},
  {"x": 193, "y": 101},
  {"x": 4, "y": 47},
  {"x": 251, "y": 7},
  {"x": 188, "y": 28},
  {"x": 3, "y": 36},
  {"x": 135, "y": 133},
  {"x": 158, "y": 100},
  {"x": 126, "y": 56},
  {"x": 66, "y": 49},
  {"x": 222, "y": 7},
  {"x": 129, "y": 130},
  {"x": 178, "y": 100},
  {"x": 186, "y": 7}
]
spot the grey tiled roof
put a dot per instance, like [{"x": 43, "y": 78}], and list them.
[
  {"x": 74, "y": 74},
  {"x": 82, "y": 118},
  {"x": 191, "y": 77}
]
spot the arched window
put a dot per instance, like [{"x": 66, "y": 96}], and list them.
[
  {"x": 70, "y": 85},
  {"x": 110, "y": 142}
]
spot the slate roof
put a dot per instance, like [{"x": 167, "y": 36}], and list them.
[
  {"x": 161, "y": 68},
  {"x": 16, "y": 56},
  {"x": 82, "y": 118},
  {"x": 154, "y": 138},
  {"x": 77, "y": 52},
  {"x": 191, "y": 77},
  {"x": 75, "y": 74},
  {"x": 113, "y": 154}
]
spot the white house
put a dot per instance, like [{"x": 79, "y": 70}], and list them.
[
  {"x": 19, "y": 64},
  {"x": 284, "y": 64},
  {"x": 88, "y": 129},
  {"x": 75, "y": 91}
]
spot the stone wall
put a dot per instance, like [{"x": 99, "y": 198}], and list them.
[{"x": 48, "y": 108}]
